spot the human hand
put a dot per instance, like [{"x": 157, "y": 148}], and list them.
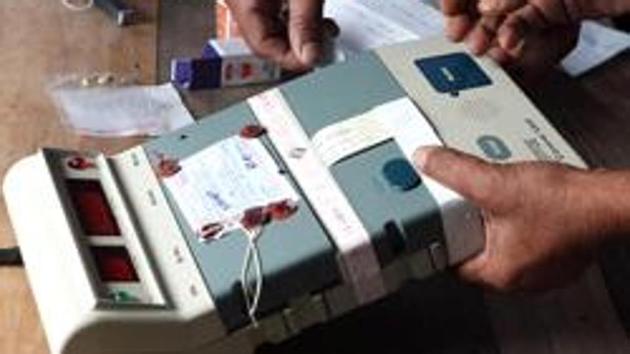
[
  {"x": 294, "y": 42},
  {"x": 542, "y": 221},
  {"x": 530, "y": 36}
]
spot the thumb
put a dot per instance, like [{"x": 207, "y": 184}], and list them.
[
  {"x": 474, "y": 179},
  {"x": 305, "y": 32}
]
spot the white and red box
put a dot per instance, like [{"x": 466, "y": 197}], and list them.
[{"x": 224, "y": 63}]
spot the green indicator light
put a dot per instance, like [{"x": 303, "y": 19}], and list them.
[{"x": 123, "y": 296}]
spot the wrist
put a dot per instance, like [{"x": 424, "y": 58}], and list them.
[{"x": 604, "y": 209}]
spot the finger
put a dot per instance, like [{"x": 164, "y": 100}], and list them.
[
  {"x": 482, "y": 273},
  {"x": 499, "y": 7},
  {"x": 527, "y": 21},
  {"x": 511, "y": 37},
  {"x": 542, "y": 52},
  {"x": 457, "y": 27},
  {"x": 471, "y": 177},
  {"x": 483, "y": 34},
  {"x": 305, "y": 30},
  {"x": 499, "y": 56},
  {"x": 478, "y": 41},
  {"x": 472, "y": 270},
  {"x": 556, "y": 43},
  {"x": 264, "y": 33},
  {"x": 454, "y": 7}
]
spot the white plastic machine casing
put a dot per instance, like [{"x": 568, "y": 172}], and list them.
[
  {"x": 178, "y": 315},
  {"x": 185, "y": 322},
  {"x": 63, "y": 284}
]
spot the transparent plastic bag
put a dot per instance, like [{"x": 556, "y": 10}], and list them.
[{"x": 109, "y": 105}]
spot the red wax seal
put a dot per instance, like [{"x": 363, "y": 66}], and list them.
[
  {"x": 210, "y": 231},
  {"x": 168, "y": 168},
  {"x": 247, "y": 70},
  {"x": 252, "y": 131},
  {"x": 282, "y": 210},
  {"x": 80, "y": 163},
  {"x": 255, "y": 217}
]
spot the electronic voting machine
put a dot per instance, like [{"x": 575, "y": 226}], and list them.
[{"x": 281, "y": 212}]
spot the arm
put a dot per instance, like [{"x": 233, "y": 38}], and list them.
[{"x": 543, "y": 221}]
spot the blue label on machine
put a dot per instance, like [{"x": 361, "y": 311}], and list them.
[{"x": 453, "y": 73}]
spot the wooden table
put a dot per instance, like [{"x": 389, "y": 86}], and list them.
[{"x": 40, "y": 41}]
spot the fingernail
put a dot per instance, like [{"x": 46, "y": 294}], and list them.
[
  {"x": 473, "y": 46},
  {"x": 487, "y": 5},
  {"x": 310, "y": 53},
  {"x": 450, "y": 34},
  {"x": 512, "y": 44},
  {"x": 421, "y": 157},
  {"x": 511, "y": 38},
  {"x": 519, "y": 46}
]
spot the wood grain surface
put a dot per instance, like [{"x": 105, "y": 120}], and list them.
[{"x": 41, "y": 41}]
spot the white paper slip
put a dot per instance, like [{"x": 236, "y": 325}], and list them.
[
  {"x": 597, "y": 44},
  {"x": 122, "y": 111},
  {"x": 324, "y": 195},
  {"x": 348, "y": 137},
  {"x": 416, "y": 16},
  {"x": 221, "y": 182}
]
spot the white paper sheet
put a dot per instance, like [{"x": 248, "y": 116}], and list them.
[
  {"x": 373, "y": 23},
  {"x": 219, "y": 183},
  {"x": 417, "y": 16},
  {"x": 597, "y": 44},
  {"x": 122, "y": 111},
  {"x": 343, "y": 139}
]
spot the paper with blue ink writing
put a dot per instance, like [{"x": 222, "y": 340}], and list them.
[{"x": 218, "y": 184}]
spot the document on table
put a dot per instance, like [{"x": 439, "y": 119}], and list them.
[
  {"x": 417, "y": 16},
  {"x": 597, "y": 44},
  {"x": 373, "y": 23},
  {"x": 219, "y": 183},
  {"x": 122, "y": 111}
]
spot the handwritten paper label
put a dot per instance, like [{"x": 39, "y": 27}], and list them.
[{"x": 218, "y": 184}]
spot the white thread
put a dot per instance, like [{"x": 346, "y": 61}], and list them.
[
  {"x": 252, "y": 296},
  {"x": 71, "y": 5}
]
